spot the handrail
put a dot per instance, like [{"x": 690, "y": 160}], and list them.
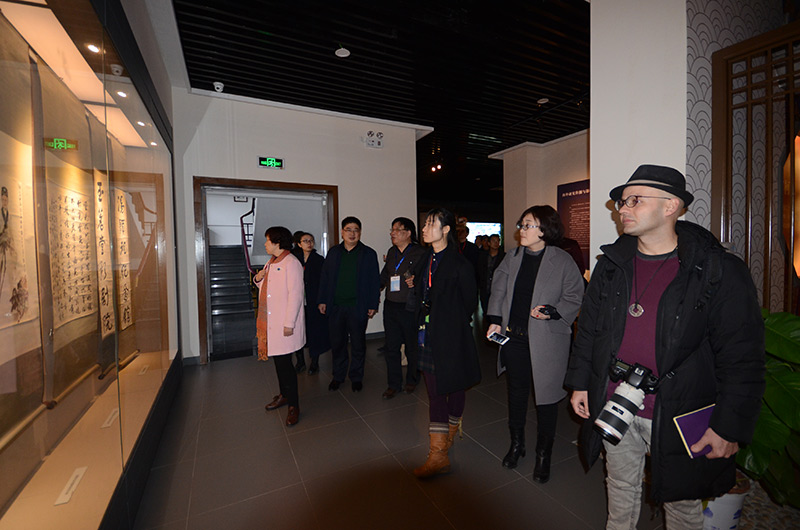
[
  {"x": 244, "y": 238},
  {"x": 143, "y": 262}
]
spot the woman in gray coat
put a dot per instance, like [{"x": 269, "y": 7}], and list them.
[{"x": 536, "y": 294}]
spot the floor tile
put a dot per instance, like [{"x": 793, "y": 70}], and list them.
[
  {"x": 316, "y": 412},
  {"x": 401, "y": 428},
  {"x": 227, "y": 477},
  {"x": 231, "y": 431},
  {"x": 287, "y": 508},
  {"x": 166, "y": 496},
  {"x": 383, "y": 494},
  {"x": 513, "y": 506},
  {"x": 334, "y": 448}
]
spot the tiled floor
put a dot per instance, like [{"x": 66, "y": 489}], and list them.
[{"x": 226, "y": 463}]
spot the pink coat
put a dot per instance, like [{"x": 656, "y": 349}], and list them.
[{"x": 285, "y": 298}]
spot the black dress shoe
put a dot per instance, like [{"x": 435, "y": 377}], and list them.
[
  {"x": 313, "y": 368},
  {"x": 390, "y": 393},
  {"x": 409, "y": 389},
  {"x": 300, "y": 368},
  {"x": 334, "y": 385},
  {"x": 277, "y": 402},
  {"x": 357, "y": 386}
]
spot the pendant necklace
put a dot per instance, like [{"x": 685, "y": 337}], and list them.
[{"x": 635, "y": 309}]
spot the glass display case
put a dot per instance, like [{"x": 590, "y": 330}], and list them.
[{"x": 88, "y": 317}]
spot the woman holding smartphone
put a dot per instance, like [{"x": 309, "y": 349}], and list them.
[
  {"x": 447, "y": 356},
  {"x": 536, "y": 293}
]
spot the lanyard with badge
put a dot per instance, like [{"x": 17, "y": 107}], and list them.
[{"x": 394, "y": 280}]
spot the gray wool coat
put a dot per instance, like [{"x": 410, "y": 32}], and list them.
[{"x": 558, "y": 283}]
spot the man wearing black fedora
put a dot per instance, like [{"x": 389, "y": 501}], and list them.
[{"x": 678, "y": 320}]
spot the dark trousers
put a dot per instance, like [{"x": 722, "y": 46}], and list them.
[
  {"x": 346, "y": 324},
  {"x": 442, "y": 406},
  {"x": 287, "y": 378},
  {"x": 401, "y": 328},
  {"x": 516, "y": 355}
]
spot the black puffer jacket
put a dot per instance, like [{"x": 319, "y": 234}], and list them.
[{"x": 714, "y": 345}]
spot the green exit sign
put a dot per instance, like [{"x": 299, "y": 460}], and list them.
[
  {"x": 270, "y": 162},
  {"x": 61, "y": 144}
]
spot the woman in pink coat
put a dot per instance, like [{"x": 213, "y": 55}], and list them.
[{"x": 281, "y": 326}]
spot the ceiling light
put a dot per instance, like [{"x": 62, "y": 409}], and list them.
[
  {"x": 542, "y": 101},
  {"x": 153, "y": 144},
  {"x": 140, "y": 123},
  {"x": 93, "y": 48},
  {"x": 433, "y": 169},
  {"x": 438, "y": 166},
  {"x": 342, "y": 52},
  {"x": 121, "y": 94}
]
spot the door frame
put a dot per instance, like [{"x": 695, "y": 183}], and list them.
[{"x": 199, "y": 186}]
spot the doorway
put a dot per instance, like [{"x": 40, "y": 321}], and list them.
[{"x": 231, "y": 216}]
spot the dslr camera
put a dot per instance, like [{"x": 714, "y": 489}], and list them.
[{"x": 627, "y": 400}]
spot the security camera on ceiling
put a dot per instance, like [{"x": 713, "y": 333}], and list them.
[{"x": 219, "y": 87}]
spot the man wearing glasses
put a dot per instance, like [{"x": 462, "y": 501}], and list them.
[
  {"x": 400, "y": 324},
  {"x": 349, "y": 293},
  {"x": 666, "y": 297}
]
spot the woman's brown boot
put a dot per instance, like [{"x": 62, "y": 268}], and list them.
[
  {"x": 454, "y": 426},
  {"x": 437, "y": 461}
]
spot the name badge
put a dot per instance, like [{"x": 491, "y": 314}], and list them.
[{"x": 394, "y": 283}]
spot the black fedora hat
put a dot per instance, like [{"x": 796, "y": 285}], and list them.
[{"x": 659, "y": 177}]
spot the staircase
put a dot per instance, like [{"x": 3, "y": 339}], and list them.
[{"x": 233, "y": 321}]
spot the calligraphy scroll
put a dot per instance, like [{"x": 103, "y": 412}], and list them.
[
  {"x": 123, "y": 259},
  {"x": 72, "y": 275},
  {"x": 105, "y": 276}
]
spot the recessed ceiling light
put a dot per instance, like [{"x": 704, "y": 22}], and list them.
[
  {"x": 140, "y": 123},
  {"x": 542, "y": 101},
  {"x": 121, "y": 94},
  {"x": 153, "y": 144},
  {"x": 438, "y": 166},
  {"x": 92, "y": 48},
  {"x": 433, "y": 169},
  {"x": 342, "y": 52}
]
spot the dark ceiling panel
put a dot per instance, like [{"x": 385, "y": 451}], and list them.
[{"x": 473, "y": 71}]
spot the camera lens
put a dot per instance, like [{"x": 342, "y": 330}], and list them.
[{"x": 617, "y": 415}]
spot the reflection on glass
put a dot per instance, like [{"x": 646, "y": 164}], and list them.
[{"x": 87, "y": 311}]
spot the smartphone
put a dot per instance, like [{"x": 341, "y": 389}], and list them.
[{"x": 498, "y": 338}]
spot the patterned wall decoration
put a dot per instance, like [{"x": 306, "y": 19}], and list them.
[{"x": 713, "y": 25}]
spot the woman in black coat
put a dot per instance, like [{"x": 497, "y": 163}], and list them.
[
  {"x": 317, "y": 336},
  {"x": 448, "y": 357}
]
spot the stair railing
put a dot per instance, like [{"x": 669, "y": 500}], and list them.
[{"x": 244, "y": 236}]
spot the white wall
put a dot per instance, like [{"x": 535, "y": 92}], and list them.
[
  {"x": 532, "y": 173},
  {"x": 638, "y": 94},
  {"x": 223, "y": 137}
]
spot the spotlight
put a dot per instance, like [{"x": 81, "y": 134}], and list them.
[
  {"x": 140, "y": 123},
  {"x": 433, "y": 169},
  {"x": 342, "y": 52},
  {"x": 93, "y": 48},
  {"x": 438, "y": 166},
  {"x": 121, "y": 94},
  {"x": 153, "y": 144}
]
